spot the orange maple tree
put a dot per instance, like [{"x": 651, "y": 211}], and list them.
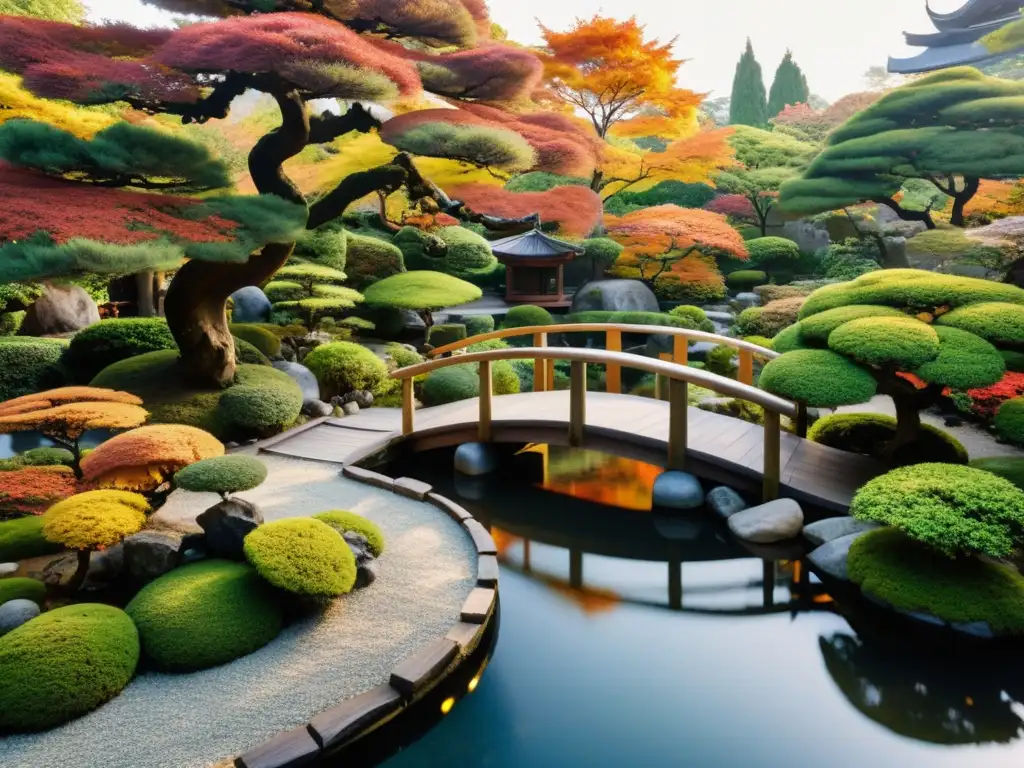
[
  {"x": 32, "y": 490},
  {"x": 575, "y": 209}
]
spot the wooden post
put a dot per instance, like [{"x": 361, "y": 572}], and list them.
[
  {"x": 746, "y": 373},
  {"x": 577, "y": 401},
  {"x": 484, "y": 427},
  {"x": 408, "y": 406},
  {"x": 613, "y": 377},
  {"x": 772, "y": 455},
  {"x": 680, "y": 349},
  {"x": 677, "y": 398},
  {"x": 550, "y": 377},
  {"x": 660, "y": 390},
  {"x": 801, "y": 419},
  {"x": 540, "y": 379}
]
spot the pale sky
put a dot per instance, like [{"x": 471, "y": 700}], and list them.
[{"x": 834, "y": 41}]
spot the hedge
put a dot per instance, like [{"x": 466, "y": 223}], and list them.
[
  {"x": 462, "y": 382},
  {"x": 63, "y": 664},
  {"x": 868, "y": 434},
  {"x": 1009, "y": 421},
  {"x": 371, "y": 259},
  {"x": 770, "y": 319},
  {"x": 47, "y": 457},
  {"x": 772, "y": 252},
  {"x": 745, "y": 279},
  {"x": 817, "y": 377},
  {"x": 477, "y": 325},
  {"x": 284, "y": 290},
  {"x": 1007, "y": 467},
  {"x": 526, "y": 315},
  {"x": 303, "y": 556},
  {"x": 350, "y": 522},
  {"x": 222, "y": 474},
  {"x": 265, "y": 341},
  {"x": 344, "y": 367},
  {"x": 94, "y": 348},
  {"x": 205, "y": 614},
  {"x": 29, "y": 365},
  {"x": 886, "y": 341},
  {"x": 95, "y": 519},
  {"x": 454, "y": 250},
  {"x": 953, "y": 509},
  {"x": 448, "y": 333},
  {"x": 696, "y": 316},
  {"x": 888, "y": 565},
  {"x": 260, "y": 411},
  {"x": 402, "y": 356},
  {"x": 19, "y": 588},
  {"x": 601, "y": 251},
  {"x": 23, "y": 538}
]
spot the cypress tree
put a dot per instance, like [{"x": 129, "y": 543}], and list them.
[
  {"x": 749, "y": 102},
  {"x": 790, "y": 86}
]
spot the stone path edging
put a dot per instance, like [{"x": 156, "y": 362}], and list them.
[{"x": 413, "y": 676}]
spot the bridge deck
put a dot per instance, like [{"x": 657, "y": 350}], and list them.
[{"x": 810, "y": 472}]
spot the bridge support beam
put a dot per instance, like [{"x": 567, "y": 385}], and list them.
[
  {"x": 677, "y": 426},
  {"x": 541, "y": 382},
  {"x": 746, "y": 371},
  {"x": 484, "y": 431},
  {"x": 408, "y": 407},
  {"x": 577, "y": 401},
  {"x": 772, "y": 455},
  {"x": 613, "y": 377}
]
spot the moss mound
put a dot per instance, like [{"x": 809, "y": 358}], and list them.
[
  {"x": 887, "y": 564},
  {"x": 868, "y": 433},
  {"x": 47, "y": 457},
  {"x": 109, "y": 341},
  {"x": 447, "y": 333},
  {"x": 222, "y": 474},
  {"x": 18, "y": 588},
  {"x": 64, "y": 663},
  {"x": 965, "y": 361},
  {"x": 29, "y": 365},
  {"x": 371, "y": 259},
  {"x": 421, "y": 290},
  {"x": 261, "y": 411},
  {"x": 350, "y": 522},
  {"x": 302, "y": 555},
  {"x": 462, "y": 382},
  {"x": 817, "y": 377},
  {"x": 886, "y": 341},
  {"x": 23, "y": 538},
  {"x": 745, "y": 279},
  {"x": 818, "y": 327},
  {"x": 1007, "y": 467},
  {"x": 695, "y": 316},
  {"x": 345, "y": 367},
  {"x": 771, "y": 319},
  {"x": 248, "y": 354},
  {"x": 1009, "y": 421},
  {"x": 205, "y": 614},
  {"x": 998, "y": 322},
  {"x": 772, "y": 252},
  {"x": 952, "y": 508},
  {"x": 261, "y": 338}
]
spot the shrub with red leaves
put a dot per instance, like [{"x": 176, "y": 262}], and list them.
[
  {"x": 33, "y": 490},
  {"x": 986, "y": 400},
  {"x": 736, "y": 207}
]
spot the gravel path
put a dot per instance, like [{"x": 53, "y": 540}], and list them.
[{"x": 187, "y": 721}]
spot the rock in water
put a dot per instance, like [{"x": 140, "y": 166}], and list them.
[
  {"x": 251, "y": 305},
  {"x": 14, "y": 613},
  {"x": 824, "y": 531},
  {"x": 316, "y": 409},
  {"x": 677, "y": 490},
  {"x": 615, "y": 296},
  {"x": 63, "y": 309},
  {"x": 768, "y": 523},
  {"x": 475, "y": 459},
  {"x": 149, "y": 554},
  {"x": 725, "y": 502},
  {"x": 830, "y": 557},
  {"x": 302, "y": 376},
  {"x": 226, "y": 525}
]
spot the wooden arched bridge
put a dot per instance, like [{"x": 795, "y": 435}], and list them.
[{"x": 662, "y": 430}]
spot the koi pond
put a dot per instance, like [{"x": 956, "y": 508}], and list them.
[{"x": 628, "y": 638}]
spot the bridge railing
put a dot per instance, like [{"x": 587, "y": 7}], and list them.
[
  {"x": 543, "y": 375},
  {"x": 678, "y": 376}
]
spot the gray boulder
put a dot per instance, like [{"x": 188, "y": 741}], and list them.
[
  {"x": 725, "y": 502},
  {"x": 350, "y": 409},
  {"x": 412, "y": 319},
  {"x": 824, "y": 531},
  {"x": 251, "y": 305},
  {"x": 8, "y": 569},
  {"x": 615, "y": 296},
  {"x": 366, "y": 574},
  {"x": 14, "y": 613},
  {"x": 768, "y": 523},
  {"x": 150, "y": 554},
  {"x": 830, "y": 557},
  {"x": 677, "y": 490},
  {"x": 226, "y": 525},
  {"x": 809, "y": 236},
  {"x": 315, "y": 408},
  {"x": 724, "y": 318},
  {"x": 61, "y": 309},
  {"x": 475, "y": 459},
  {"x": 699, "y": 350},
  {"x": 302, "y": 376},
  {"x": 747, "y": 299}
]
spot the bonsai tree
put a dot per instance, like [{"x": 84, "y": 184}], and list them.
[
  {"x": 422, "y": 292},
  {"x": 64, "y": 415},
  {"x": 145, "y": 458},
  {"x": 312, "y": 290},
  {"x": 222, "y": 474},
  {"x": 94, "y": 520},
  {"x": 904, "y": 333}
]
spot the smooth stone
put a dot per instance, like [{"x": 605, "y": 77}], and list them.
[
  {"x": 748, "y": 299},
  {"x": 350, "y": 409},
  {"x": 924, "y": 618},
  {"x": 475, "y": 459},
  {"x": 302, "y": 376},
  {"x": 830, "y": 557},
  {"x": 615, "y": 296},
  {"x": 768, "y": 523},
  {"x": 824, "y": 531},
  {"x": 14, "y": 613},
  {"x": 725, "y": 502},
  {"x": 251, "y": 305},
  {"x": 726, "y": 318},
  {"x": 316, "y": 409},
  {"x": 699, "y": 350},
  {"x": 61, "y": 309},
  {"x": 412, "y": 488},
  {"x": 8, "y": 569},
  {"x": 366, "y": 574},
  {"x": 359, "y": 545},
  {"x": 226, "y": 525},
  {"x": 149, "y": 554},
  {"x": 975, "y": 629},
  {"x": 677, "y": 490},
  {"x": 363, "y": 398}
]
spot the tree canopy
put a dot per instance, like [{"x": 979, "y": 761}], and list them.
[
  {"x": 789, "y": 87},
  {"x": 749, "y": 104}
]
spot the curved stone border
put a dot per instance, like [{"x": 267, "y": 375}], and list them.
[{"x": 415, "y": 675}]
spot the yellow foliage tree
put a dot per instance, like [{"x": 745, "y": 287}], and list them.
[
  {"x": 18, "y": 103},
  {"x": 693, "y": 159}
]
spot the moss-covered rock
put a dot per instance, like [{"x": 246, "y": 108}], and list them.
[
  {"x": 205, "y": 614},
  {"x": 22, "y": 538},
  {"x": 63, "y": 664},
  {"x": 265, "y": 341},
  {"x": 109, "y": 341},
  {"x": 302, "y": 555},
  {"x": 349, "y": 522},
  {"x": 817, "y": 377},
  {"x": 870, "y": 433},
  {"x": 20, "y": 588},
  {"x": 344, "y": 367}
]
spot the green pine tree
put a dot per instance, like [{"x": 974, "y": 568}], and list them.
[
  {"x": 749, "y": 103},
  {"x": 790, "y": 86}
]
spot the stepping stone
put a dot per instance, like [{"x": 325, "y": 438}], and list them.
[
  {"x": 475, "y": 459},
  {"x": 725, "y": 502},
  {"x": 768, "y": 523},
  {"x": 830, "y": 557},
  {"x": 677, "y": 490},
  {"x": 824, "y": 531}
]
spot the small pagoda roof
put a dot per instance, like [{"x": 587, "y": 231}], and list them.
[
  {"x": 932, "y": 59},
  {"x": 973, "y": 12},
  {"x": 534, "y": 245}
]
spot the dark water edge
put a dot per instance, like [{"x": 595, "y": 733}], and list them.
[{"x": 19, "y": 442}]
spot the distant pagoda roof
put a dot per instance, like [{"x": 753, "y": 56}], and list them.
[
  {"x": 534, "y": 244},
  {"x": 956, "y": 42}
]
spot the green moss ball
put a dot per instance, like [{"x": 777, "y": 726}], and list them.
[
  {"x": 790, "y": 339},
  {"x": 345, "y": 367},
  {"x": 222, "y": 474},
  {"x": 205, "y": 614},
  {"x": 18, "y": 588},
  {"x": 63, "y": 664},
  {"x": 903, "y": 342},
  {"x": 1009, "y": 421},
  {"x": 462, "y": 382},
  {"x": 261, "y": 338},
  {"x": 350, "y": 522},
  {"x": 869, "y": 433},
  {"x": 887, "y": 564},
  {"x": 261, "y": 411},
  {"x": 248, "y": 354},
  {"x": 998, "y": 322},
  {"x": 817, "y": 377},
  {"x": 302, "y": 555},
  {"x": 22, "y": 538}
]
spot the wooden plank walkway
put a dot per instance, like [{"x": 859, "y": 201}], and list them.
[{"x": 810, "y": 472}]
